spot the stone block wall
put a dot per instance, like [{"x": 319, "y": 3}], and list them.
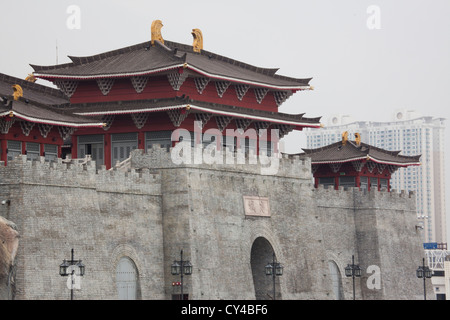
[
  {"x": 157, "y": 208},
  {"x": 102, "y": 216}
]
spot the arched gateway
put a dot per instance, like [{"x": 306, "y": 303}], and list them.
[{"x": 261, "y": 255}]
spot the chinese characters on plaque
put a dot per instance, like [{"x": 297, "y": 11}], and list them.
[{"x": 256, "y": 206}]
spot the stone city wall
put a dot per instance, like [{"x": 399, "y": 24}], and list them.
[
  {"x": 227, "y": 219},
  {"x": 102, "y": 216}
]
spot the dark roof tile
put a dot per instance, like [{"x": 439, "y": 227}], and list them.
[
  {"x": 144, "y": 59},
  {"x": 338, "y": 153}
]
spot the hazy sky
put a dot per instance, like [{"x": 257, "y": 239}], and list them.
[
  {"x": 401, "y": 59},
  {"x": 404, "y": 62}
]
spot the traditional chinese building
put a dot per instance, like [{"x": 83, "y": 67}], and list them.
[
  {"x": 33, "y": 120},
  {"x": 146, "y": 91},
  {"x": 355, "y": 164}
]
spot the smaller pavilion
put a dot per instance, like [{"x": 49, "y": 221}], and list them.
[{"x": 356, "y": 164}]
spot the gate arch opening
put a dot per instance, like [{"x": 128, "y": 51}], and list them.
[{"x": 261, "y": 255}]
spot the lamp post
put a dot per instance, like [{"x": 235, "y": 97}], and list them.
[
  {"x": 274, "y": 269},
  {"x": 181, "y": 267},
  {"x": 353, "y": 270},
  {"x": 63, "y": 268},
  {"x": 424, "y": 272}
]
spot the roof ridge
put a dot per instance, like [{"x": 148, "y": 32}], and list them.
[{"x": 108, "y": 54}]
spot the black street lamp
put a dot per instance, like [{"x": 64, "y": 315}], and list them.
[
  {"x": 274, "y": 269},
  {"x": 353, "y": 270},
  {"x": 181, "y": 267},
  {"x": 424, "y": 272},
  {"x": 63, "y": 268}
]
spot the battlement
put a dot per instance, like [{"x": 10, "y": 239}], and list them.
[
  {"x": 78, "y": 173},
  {"x": 184, "y": 155},
  {"x": 381, "y": 193},
  {"x": 354, "y": 198}
]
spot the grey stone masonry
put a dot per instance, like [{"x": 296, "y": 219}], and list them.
[{"x": 215, "y": 212}]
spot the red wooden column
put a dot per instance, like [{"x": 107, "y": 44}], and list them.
[
  {"x": 141, "y": 140},
  {"x": 358, "y": 181},
  {"x": 4, "y": 147}
]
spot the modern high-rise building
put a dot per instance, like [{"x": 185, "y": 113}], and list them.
[{"x": 412, "y": 134}]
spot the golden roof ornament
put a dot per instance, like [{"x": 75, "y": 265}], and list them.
[
  {"x": 30, "y": 78},
  {"x": 358, "y": 138},
  {"x": 156, "y": 32},
  {"x": 344, "y": 138},
  {"x": 18, "y": 92},
  {"x": 198, "y": 40}
]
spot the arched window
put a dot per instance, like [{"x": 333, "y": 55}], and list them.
[
  {"x": 337, "y": 280},
  {"x": 127, "y": 279}
]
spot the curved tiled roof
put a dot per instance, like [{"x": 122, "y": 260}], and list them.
[
  {"x": 144, "y": 59},
  {"x": 39, "y": 104},
  {"x": 351, "y": 151}
]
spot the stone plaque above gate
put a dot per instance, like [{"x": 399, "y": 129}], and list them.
[{"x": 256, "y": 206}]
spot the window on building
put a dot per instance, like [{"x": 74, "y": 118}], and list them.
[
  {"x": 248, "y": 144},
  {"x": 229, "y": 142},
  {"x": 383, "y": 183},
  {"x": 33, "y": 150},
  {"x": 122, "y": 144},
  {"x": 346, "y": 182},
  {"x": 364, "y": 183},
  {"x": 14, "y": 149},
  {"x": 326, "y": 182},
  {"x": 92, "y": 145},
  {"x": 161, "y": 138},
  {"x": 373, "y": 183},
  {"x": 266, "y": 147},
  {"x": 211, "y": 139},
  {"x": 50, "y": 152}
]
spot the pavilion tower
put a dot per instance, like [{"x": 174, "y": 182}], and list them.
[{"x": 144, "y": 92}]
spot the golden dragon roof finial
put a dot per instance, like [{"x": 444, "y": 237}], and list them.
[
  {"x": 156, "y": 32},
  {"x": 18, "y": 92},
  {"x": 344, "y": 138},
  {"x": 198, "y": 40},
  {"x": 30, "y": 78},
  {"x": 357, "y": 138}
]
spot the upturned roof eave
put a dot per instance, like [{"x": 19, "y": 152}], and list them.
[
  {"x": 203, "y": 109},
  {"x": 61, "y": 76},
  {"x": 380, "y": 161},
  {"x": 19, "y": 115}
]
